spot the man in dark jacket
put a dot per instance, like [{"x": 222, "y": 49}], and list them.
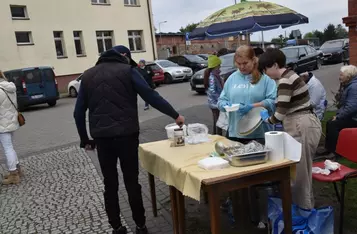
[
  {"x": 109, "y": 90},
  {"x": 148, "y": 74}
]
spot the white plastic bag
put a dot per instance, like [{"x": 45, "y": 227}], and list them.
[{"x": 223, "y": 120}]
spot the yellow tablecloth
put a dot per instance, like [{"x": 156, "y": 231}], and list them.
[{"x": 177, "y": 166}]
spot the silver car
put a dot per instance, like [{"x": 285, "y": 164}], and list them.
[{"x": 174, "y": 72}]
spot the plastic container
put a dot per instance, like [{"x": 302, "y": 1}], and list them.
[
  {"x": 232, "y": 108},
  {"x": 170, "y": 128},
  {"x": 248, "y": 159}
]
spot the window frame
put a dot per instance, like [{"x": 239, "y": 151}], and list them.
[
  {"x": 133, "y": 37},
  {"x": 131, "y": 4},
  {"x": 103, "y": 38},
  {"x": 30, "y": 42},
  {"x": 97, "y": 2},
  {"x": 81, "y": 42},
  {"x": 24, "y": 7},
  {"x": 63, "y": 44}
]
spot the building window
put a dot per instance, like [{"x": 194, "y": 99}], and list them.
[
  {"x": 131, "y": 2},
  {"x": 104, "y": 40},
  {"x": 135, "y": 40},
  {"x": 103, "y": 2},
  {"x": 24, "y": 38},
  {"x": 18, "y": 12},
  {"x": 59, "y": 44},
  {"x": 78, "y": 42}
]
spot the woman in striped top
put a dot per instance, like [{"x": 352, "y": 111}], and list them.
[{"x": 294, "y": 110}]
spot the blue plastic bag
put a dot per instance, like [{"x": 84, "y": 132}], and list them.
[{"x": 316, "y": 221}]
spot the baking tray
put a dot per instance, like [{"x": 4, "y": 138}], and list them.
[{"x": 248, "y": 159}]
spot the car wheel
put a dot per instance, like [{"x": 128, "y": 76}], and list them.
[
  {"x": 318, "y": 64},
  {"x": 52, "y": 103},
  {"x": 168, "y": 78},
  {"x": 157, "y": 84},
  {"x": 73, "y": 92}
]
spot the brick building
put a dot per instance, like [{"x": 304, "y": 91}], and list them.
[
  {"x": 351, "y": 22},
  {"x": 169, "y": 44}
]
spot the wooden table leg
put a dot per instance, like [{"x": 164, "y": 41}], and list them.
[
  {"x": 214, "y": 210},
  {"x": 181, "y": 211},
  {"x": 173, "y": 197},
  {"x": 285, "y": 191},
  {"x": 153, "y": 194}
]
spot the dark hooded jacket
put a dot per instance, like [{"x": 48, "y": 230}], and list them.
[{"x": 112, "y": 99}]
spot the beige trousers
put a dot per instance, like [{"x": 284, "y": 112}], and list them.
[{"x": 305, "y": 127}]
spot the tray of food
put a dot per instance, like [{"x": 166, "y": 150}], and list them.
[{"x": 250, "y": 154}]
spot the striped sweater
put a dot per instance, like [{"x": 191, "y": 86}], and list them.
[{"x": 293, "y": 96}]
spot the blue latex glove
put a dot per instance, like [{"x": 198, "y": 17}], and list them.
[
  {"x": 265, "y": 116},
  {"x": 244, "y": 109}
]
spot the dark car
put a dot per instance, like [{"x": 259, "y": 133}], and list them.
[
  {"x": 227, "y": 68},
  {"x": 204, "y": 56},
  {"x": 34, "y": 85},
  {"x": 194, "y": 62},
  {"x": 302, "y": 58},
  {"x": 335, "y": 51}
]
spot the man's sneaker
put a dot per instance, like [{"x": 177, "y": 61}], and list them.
[
  {"x": 121, "y": 230},
  {"x": 146, "y": 107},
  {"x": 142, "y": 230}
]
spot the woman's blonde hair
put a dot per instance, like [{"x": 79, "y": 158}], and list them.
[
  {"x": 349, "y": 71},
  {"x": 248, "y": 53}
]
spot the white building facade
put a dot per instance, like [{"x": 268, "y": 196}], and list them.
[{"x": 69, "y": 35}]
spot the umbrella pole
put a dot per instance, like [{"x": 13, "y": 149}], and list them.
[{"x": 263, "y": 46}]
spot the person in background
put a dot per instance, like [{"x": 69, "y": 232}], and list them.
[
  {"x": 346, "y": 116},
  {"x": 8, "y": 125},
  {"x": 258, "y": 51},
  {"x": 222, "y": 52},
  {"x": 294, "y": 110},
  {"x": 317, "y": 94},
  {"x": 109, "y": 90},
  {"x": 148, "y": 74},
  {"x": 250, "y": 88},
  {"x": 214, "y": 85}
]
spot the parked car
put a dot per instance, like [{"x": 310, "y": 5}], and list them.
[
  {"x": 194, "y": 62},
  {"x": 34, "y": 85},
  {"x": 227, "y": 68},
  {"x": 73, "y": 86},
  {"x": 174, "y": 72},
  {"x": 302, "y": 58},
  {"x": 335, "y": 51},
  {"x": 204, "y": 56},
  {"x": 159, "y": 77}
]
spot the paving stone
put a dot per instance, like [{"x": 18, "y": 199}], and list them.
[{"x": 61, "y": 190}]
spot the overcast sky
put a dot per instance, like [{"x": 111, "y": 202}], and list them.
[{"x": 179, "y": 13}]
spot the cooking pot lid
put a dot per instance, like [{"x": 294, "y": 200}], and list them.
[{"x": 250, "y": 122}]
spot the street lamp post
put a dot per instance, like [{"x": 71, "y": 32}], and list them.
[{"x": 163, "y": 22}]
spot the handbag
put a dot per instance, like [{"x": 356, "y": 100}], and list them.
[{"x": 20, "y": 117}]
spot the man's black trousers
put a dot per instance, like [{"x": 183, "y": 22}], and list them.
[{"x": 126, "y": 150}]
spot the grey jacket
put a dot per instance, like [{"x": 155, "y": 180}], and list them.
[{"x": 348, "y": 102}]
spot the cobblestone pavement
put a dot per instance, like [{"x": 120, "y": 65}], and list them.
[{"x": 61, "y": 192}]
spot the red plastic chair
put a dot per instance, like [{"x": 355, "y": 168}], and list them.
[{"x": 347, "y": 148}]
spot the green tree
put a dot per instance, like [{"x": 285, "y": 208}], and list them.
[
  {"x": 341, "y": 32},
  {"x": 320, "y": 35},
  {"x": 189, "y": 27},
  {"x": 309, "y": 35},
  {"x": 330, "y": 33}
]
